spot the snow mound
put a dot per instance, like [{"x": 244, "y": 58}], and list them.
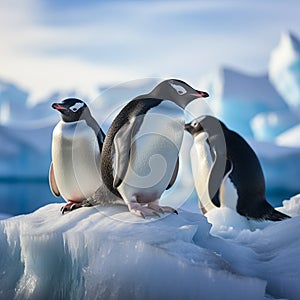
[
  {"x": 107, "y": 253},
  {"x": 292, "y": 206},
  {"x": 226, "y": 222}
]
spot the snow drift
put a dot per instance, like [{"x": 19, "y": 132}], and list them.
[{"x": 107, "y": 253}]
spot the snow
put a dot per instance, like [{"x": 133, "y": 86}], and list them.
[
  {"x": 107, "y": 253},
  {"x": 291, "y": 206}
]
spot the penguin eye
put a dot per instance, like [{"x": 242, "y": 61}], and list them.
[
  {"x": 76, "y": 106},
  {"x": 179, "y": 89},
  {"x": 194, "y": 124}
]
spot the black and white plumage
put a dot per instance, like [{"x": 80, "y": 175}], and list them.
[
  {"x": 227, "y": 171},
  {"x": 77, "y": 142},
  {"x": 140, "y": 153}
]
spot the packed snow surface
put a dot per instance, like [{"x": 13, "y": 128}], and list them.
[{"x": 107, "y": 253}]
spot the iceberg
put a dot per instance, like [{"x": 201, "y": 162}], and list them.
[
  {"x": 12, "y": 102},
  {"x": 16, "y": 110},
  {"x": 284, "y": 68},
  {"x": 281, "y": 166},
  {"x": 25, "y": 150},
  {"x": 107, "y": 253},
  {"x": 236, "y": 98},
  {"x": 267, "y": 126},
  {"x": 289, "y": 138}
]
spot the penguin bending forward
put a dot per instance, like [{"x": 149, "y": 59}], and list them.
[
  {"x": 227, "y": 171},
  {"x": 77, "y": 142},
  {"x": 139, "y": 159}
]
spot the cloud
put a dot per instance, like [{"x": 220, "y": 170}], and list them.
[{"x": 48, "y": 45}]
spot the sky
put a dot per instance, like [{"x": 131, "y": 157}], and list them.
[{"x": 58, "y": 44}]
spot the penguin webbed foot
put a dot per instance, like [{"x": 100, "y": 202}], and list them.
[
  {"x": 141, "y": 211},
  {"x": 151, "y": 210},
  {"x": 163, "y": 209},
  {"x": 70, "y": 206}
]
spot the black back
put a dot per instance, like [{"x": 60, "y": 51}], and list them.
[{"x": 137, "y": 107}]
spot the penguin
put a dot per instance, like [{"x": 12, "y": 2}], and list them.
[
  {"x": 140, "y": 154},
  {"x": 77, "y": 142},
  {"x": 227, "y": 172}
]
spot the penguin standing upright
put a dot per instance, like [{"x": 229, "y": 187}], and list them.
[
  {"x": 140, "y": 152},
  {"x": 234, "y": 177},
  {"x": 77, "y": 142}
]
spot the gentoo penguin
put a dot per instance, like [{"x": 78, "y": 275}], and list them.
[
  {"x": 229, "y": 172},
  {"x": 140, "y": 153},
  {"x": 77, "y": 142}
]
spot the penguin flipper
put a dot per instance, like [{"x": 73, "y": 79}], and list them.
[
  {"x": 100, "y": 137},
  {"x": 216, "y": 175},
  {"x": 123, "y": 141},
  {"x": 222, "y": 191},
  {"x": 174, "y": 176},
  {"x": 205, "y": 200},
  {"x": 52, "y": 182}
]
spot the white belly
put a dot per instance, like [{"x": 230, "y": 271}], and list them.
[
  {"x": 76, "y": 160},
  {"x": 202, "y": 162},
  {"x": 154, "y": 153}
]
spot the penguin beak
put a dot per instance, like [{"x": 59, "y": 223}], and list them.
[
  {"x": 187, "y": 127},
  {"x": 58, "y": 106},
  {"x": 200, "y": 94}
]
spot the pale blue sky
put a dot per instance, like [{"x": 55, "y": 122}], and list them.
[{"x": 62, "y": 44}]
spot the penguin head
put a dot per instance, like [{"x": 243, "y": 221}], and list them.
[
  {"x": 206, "y": 123},
  {"x": 177, "y": 91},
  {"x": 194, "y": 127},
  {"x": 72, "y": 109}
]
